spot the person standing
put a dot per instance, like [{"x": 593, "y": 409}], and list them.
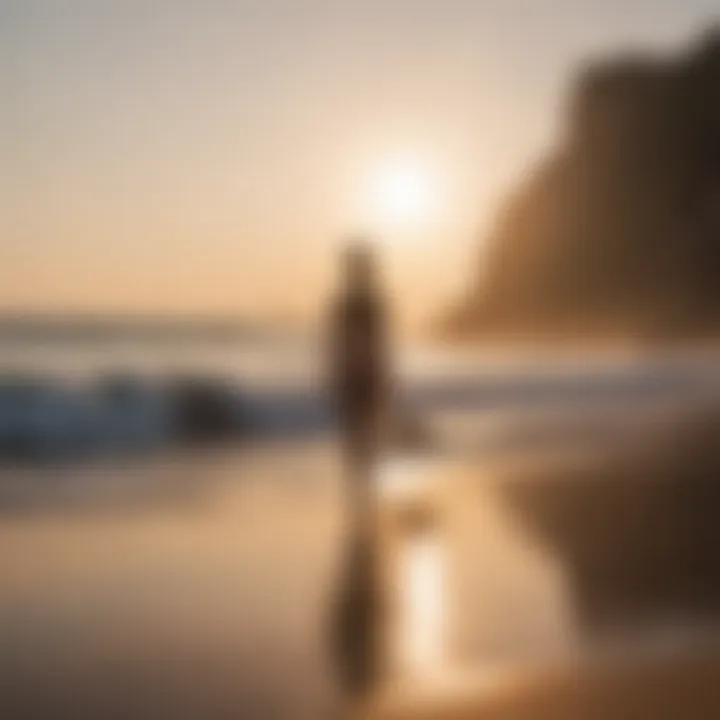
[{"x": 360, "y": 362}]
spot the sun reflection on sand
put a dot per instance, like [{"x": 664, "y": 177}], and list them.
[
  {"x": 465, "y": 585},
  {"x": 423, "y": 606},
  {"x": 416, "y": 568}
]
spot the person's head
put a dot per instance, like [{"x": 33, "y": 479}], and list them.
[{"x": 359, "y": 267}]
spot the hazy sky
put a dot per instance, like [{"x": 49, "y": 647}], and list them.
[{"x": 207, "y": 155}]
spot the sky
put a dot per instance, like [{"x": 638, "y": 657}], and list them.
[{"x": 211, "y": 156}]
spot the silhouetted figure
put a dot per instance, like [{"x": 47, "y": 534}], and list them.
[
  {"x": 360, "y": 385},
  {"x": 360, "y": 371}
]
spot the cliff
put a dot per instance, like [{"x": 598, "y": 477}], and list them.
[{"x": 617, "y": 231}]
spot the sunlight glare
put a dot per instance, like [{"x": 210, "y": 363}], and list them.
[
  {"x": 402, "y": 196},
  {"x": 423, "y": 609}
]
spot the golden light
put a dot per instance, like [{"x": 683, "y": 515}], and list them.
[
  {"x": 423, "y": 606},
  {"x": 419, "y": 565},
  {"x": 402, "y": 195}
]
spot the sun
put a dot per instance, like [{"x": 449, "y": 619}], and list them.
[{"x": 402, "y": 195}]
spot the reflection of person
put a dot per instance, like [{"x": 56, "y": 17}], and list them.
[{"x": 359, "y": 370}]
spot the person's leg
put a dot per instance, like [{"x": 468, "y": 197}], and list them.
[{"x": 359, "y": 451}]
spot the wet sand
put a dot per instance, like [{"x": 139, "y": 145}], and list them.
[
  {"x": 203, "y": 599},
  {"x": 200, "y": 587},
  {"x": 587, "y": 588}
]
